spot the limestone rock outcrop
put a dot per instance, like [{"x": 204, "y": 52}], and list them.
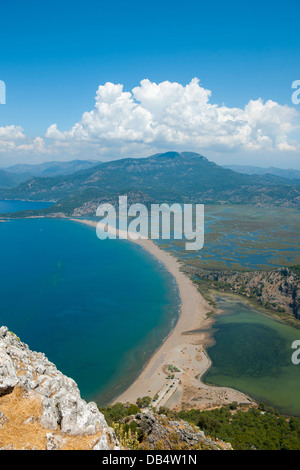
[
  {"x": 62, "y": 410},
  {"x": 276, "y": 289},
  {"x": 161, "y": 433}
]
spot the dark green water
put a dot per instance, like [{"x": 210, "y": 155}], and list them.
[
  {"x": 97, "y": 308},
  {"x": 253, "y": 354}
]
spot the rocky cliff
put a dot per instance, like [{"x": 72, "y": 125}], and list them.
[
  {"x": 277, "y": 289},
  {"x": 40, "y": 408}
]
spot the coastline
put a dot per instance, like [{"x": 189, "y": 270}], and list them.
[{"x": 172, "y": 376}]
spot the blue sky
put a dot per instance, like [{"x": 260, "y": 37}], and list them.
[{"x": 55, "y": 55}]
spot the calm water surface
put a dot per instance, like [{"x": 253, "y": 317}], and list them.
[
  {"x": 253, "y": 354},
  {"x": 97, "y": 308}
]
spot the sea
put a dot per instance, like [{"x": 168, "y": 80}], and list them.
[{"x": 98, "y": 309}]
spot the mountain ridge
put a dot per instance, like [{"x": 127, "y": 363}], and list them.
[
  {"x": 12, "y": 176},
  {"x": 185, "y": 177},
  {"x": 289, "y": 173}
]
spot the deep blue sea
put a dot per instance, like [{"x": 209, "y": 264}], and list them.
[
  {"x": 15, "y": 206},
  {"x": 97, "y": 308}
]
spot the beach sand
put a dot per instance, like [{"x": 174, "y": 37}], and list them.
[{"x": 184, "y": 348}]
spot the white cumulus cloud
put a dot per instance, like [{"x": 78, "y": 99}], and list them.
[
  {"x": 170, "y": 115},
  {"x": 154, "y": 117}
]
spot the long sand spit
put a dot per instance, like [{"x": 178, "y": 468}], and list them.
[{"x": 172, "y": 376}]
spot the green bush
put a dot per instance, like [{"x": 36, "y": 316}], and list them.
[
  {"x": 115, "y": 413},
  {"x": 133, "y": 410}
]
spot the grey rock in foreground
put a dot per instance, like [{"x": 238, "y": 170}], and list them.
[
  {"x": 168, "y": 434},
  {"x": 63, "y": 408}
]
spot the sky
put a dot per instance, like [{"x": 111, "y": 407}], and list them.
[{"x": 108, "y": 80}]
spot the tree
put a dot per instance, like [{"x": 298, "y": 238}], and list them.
[{"x": 143, "y": 402}]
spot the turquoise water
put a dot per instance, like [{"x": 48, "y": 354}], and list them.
[
  {"x": 252, "y": 353},
  {"x": 97, "y": 308}
]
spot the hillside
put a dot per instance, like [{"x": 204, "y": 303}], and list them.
[
  {"x": 169, "y": 177},
  {"x": 237, "y": 427},
  {"x": 276, "y": 289},
  {"x": 150, "y": 430}
]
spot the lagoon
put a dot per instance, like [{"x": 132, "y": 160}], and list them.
[{"x": 252, "y": 353}]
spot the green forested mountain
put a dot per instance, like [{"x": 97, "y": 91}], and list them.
[{"x": 167, "y": 177}]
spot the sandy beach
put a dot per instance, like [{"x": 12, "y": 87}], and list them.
[{"x": 172, "y": 376}]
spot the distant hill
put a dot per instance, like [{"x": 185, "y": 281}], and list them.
[
  {"x": 255, "y": 170},
  {"x": 14, "y": 175},
  {"x": 9, "y": 180},
  {"x": 52, "y": 168},
  {"x": 167, "y": 177}
]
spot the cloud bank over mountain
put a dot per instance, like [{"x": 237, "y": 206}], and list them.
[{"x": 168, "y": 115}]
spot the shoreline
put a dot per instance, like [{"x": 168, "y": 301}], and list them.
[{"x": 172, "y": 376}]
